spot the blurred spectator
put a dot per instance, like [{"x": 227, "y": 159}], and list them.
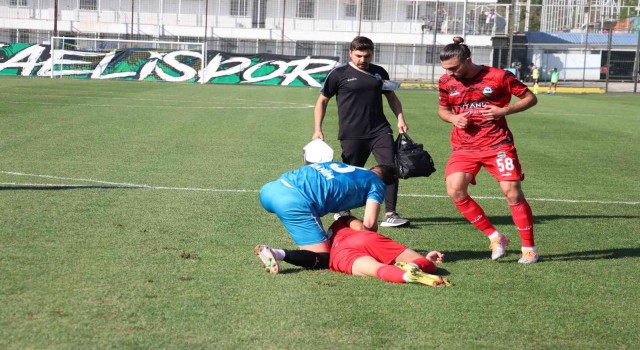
[
  {"x": 489, "y": 21},
  {"x": 427, "y": 26},
  {"x": 517, "y": 66}
]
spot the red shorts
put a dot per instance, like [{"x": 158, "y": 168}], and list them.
[
  {"x": 502, "y": 163},
  {"x": 351, "y": 245}
]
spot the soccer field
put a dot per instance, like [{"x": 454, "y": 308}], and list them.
[{"x": 129, "y": 212}]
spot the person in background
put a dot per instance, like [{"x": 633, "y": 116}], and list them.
[
  {"x": 427, "y": 25},
  {"x": 475, "y": 99},
  {"x": 517, "y": 65},
  {"x": 535, "y": 75},
  {"x": 490, "y": 20},
  {"x": 553, "y": 81}
]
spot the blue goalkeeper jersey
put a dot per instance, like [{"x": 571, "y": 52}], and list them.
[{"x": 332, "y": 187}]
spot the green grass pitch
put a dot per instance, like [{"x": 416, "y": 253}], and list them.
[{"x": 129, "y": 212}]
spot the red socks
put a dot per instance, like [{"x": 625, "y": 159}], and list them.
[
  {"x": 474, "y": 213},
  {"x": 390, "y": 273},
  {"x": 425, "y": 265},
  {"x": 523, "y": 219},
  {"x": 521, "y": 214}
]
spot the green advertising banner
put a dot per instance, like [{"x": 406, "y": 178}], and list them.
[{"x": 21, "y": 59}]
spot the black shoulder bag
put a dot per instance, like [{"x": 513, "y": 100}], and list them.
[{"x": 412, "y": 160}]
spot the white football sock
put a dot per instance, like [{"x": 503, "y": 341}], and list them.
[
  {"x": 496, "y": 234},
  {"x": 278, "y": 254}
]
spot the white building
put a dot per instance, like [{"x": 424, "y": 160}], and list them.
[
  {"x": 385, "y": 21},
  {"x": 408, "y": 34}
]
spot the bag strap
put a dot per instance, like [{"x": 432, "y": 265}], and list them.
[
  {"x": 406, "y": 136},
  {"x": 399, "y": 140}
]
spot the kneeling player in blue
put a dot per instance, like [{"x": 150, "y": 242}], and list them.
[{"x": 301, "y": 197}]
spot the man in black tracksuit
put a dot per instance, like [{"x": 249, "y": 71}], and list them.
[{"x": 362, "y": 126}]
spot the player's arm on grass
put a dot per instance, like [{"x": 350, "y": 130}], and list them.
[{"x": 435, "y": 257}]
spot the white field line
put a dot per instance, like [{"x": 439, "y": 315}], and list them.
[
  {"x": 530, "y": 199},
  {"x": 110, "y": 183},
  {"x": 141, "y": 186},
  {"x": 301, "y": 106},
  {"x": 160, "y": 98}
]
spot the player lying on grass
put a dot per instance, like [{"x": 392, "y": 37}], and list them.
[
  {"x": 361, "y": 252},
  {"x": 301, "y": 197}
]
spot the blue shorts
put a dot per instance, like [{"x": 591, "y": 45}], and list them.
[{"x": 294, "y": 211}]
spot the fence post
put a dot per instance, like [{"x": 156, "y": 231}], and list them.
[
  {"x": 609, "y": 48},
  {"x": 433, "y": 50},
  {"x": 636, "y": 64},
  {"x": 586, "y": 43},
  {"x": 511, "y": 23}
]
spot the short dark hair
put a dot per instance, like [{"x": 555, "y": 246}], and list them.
[
  {"x": 388, "y": 174},
  {"x": 455, "y": 49},
  {"x": 361, "y": 43}
]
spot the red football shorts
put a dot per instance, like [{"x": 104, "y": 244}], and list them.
[
  {"x": 351, "y": 245},
  {"x": 502, "y": 163}
]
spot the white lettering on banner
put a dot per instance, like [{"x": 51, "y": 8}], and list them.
[
  {"x": 248, "y": 74},
  {"x": 30, "y": 54},
  {"x": 187, "y": 71},
  {"x": 97, "y": 72},
  {"x": 211, "y": 71},
  {"x": 29, "y": 59},
  {"x": 301, "y": 71},
  {"x": 150, "y": 66},
  {"x": 61, "y": 61}
]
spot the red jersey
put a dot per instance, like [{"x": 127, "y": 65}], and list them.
[{"x": 491, "y": 86}]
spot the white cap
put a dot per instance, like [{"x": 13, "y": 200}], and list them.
[{"x": 317, "y": 151}]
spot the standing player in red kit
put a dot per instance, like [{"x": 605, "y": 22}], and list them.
[{"x": 475, "y": 99}]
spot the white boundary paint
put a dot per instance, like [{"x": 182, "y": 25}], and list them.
[
  {"x": 142, "y": 186},
  {"x": 164, "y": 106}
]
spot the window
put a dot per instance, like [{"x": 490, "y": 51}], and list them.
[
  {"x": 18, "y": 36},
  {"x": 350, "y": 10},
  {"x": 416, "y": 10},
  {"x": 239, "y": 8},
  {"x": 412, "y": 9},
  {"x": 306, "y": 9},
  {"x": 304, "y": 48},
  {"x": 229, "y": 45},
  {"x": 18, "y": 3},
  {"x": 432, "y": 54},
  {"x": 371, "y": 9},
  {"x": 89, "y": 5}
]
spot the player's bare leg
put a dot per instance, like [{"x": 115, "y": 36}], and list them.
[{"x": 322, "y": 247}]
